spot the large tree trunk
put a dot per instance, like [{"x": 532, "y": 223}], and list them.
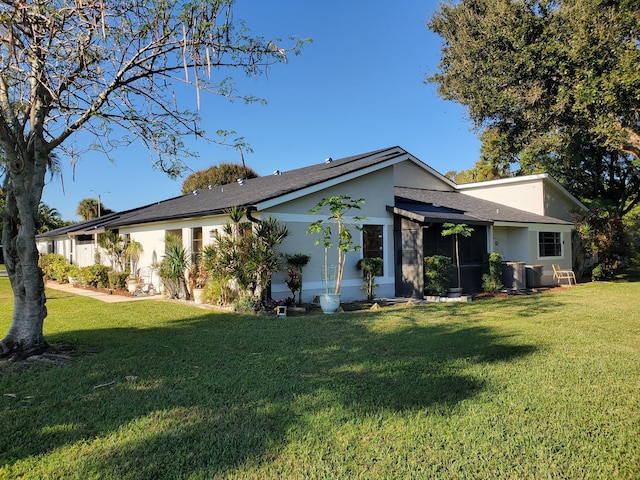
[
  {"x": 25, "y": 336},
  {"x": 23, "y": 190}
]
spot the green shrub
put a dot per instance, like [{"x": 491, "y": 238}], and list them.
[
  {"x": 95, "y": 276},
  {"x": 437, "y": 274},
  {"x": 492, "y": 278},
  {"x": 74, "y": 271},
  {"x": 213, "y": 291},
  {"x": 601, "y": 272},
  {"x": 54, "y": 267},
  {"x": 118, "y": 280},
  {"x": 246, "y": 304}
]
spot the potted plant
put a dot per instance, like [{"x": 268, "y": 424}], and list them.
[
  {"x": 337, "y": 207},
  {"x": 198, "y": 278},
  {"x": 456, "y": 230},
  {"x": 132, "y": 253}
]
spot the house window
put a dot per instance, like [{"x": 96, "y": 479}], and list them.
[
  {"x": 550, "y": 244},
  {"x": 84, "y": 239},
  {"x": 372, "y": 245},
  {"x": 196, "y": 245}
]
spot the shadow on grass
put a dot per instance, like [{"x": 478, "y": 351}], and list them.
[
  {"x": 629, "y": 275},
  {"x": 216, "y": 391}
]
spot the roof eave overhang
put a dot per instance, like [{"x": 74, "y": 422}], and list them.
[
  {"x": 426, "y": 219},
  {"x": 170, "y": 218}
]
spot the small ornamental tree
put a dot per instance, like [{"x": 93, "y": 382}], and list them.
[
  {"x": 370, "y": 267},
  {"x": 294, "y": 275},
  {"x": 457, "y": 230},
  {"x": 115, "y": 247},
  {"x": 338, "y": 206},
  {"x": 133, "y": 252}
]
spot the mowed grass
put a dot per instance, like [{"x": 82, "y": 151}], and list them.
[{"x": 541, "y": 386}]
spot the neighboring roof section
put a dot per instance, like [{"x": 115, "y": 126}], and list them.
[
  {"x": 273, "y": 188},
  {"x": 268, "y": 191},
  {"x": 441, "y": 206}
]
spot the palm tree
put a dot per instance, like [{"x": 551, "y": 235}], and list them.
[
  {"x": 132, "y": 253},
  {"x": 115, "y": 246},
  {"x": 91, "y": 208},
  {"x": 48, "y": 218},
  {"x": 263, "y": 255},
  {"x": 87, "y": 209}
]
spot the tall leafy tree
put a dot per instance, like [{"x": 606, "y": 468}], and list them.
[
  {"x": 106, "y": 68},
  {"x": 217, "y": 175},
  {"x": 554, "y": 82}
]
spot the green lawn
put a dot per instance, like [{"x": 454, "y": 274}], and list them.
[{"x": 542, "y": 386}]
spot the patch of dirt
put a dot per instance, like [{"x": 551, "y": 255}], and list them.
[
  {"x": 513, "y": 293},
  {"x": 56, "y": 355}
]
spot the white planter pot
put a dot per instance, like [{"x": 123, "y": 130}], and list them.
[
  {"x": 329, "y": 302},
  {"x": 132, "y": 285},
  {"x": 198, "y": 294}
]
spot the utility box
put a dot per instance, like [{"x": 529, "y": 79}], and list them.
[
  {"x": 534, "y": 275},
  {"x": 513, "y": 275}
]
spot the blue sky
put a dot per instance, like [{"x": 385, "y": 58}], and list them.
[{"x": 358, "y": 87}]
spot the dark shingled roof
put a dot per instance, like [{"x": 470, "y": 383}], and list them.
[
  {"x": 218, "y": 199},
  {"x": 440, "y": 206},
  {"x": 434, "y": 205}
]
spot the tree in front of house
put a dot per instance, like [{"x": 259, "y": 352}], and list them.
[
  {"x": 538, "y": 68},
  {"x": 217, "y": 175},
  {"x": 553, "y": 87},
  {"x": 107, "y": 69},
  {"x": 263, "y": 255},
  {"x": 48, "y": 218},
  {"x": 604, "y": 240},
  {"x": 457, "y": 230},
  {"x": 248, "y": 253},
  {"x": 115, "y": 246}
]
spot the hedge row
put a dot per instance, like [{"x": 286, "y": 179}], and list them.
[{"x": 55, "y": 267}]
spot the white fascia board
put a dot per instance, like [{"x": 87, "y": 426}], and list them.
[
  {"x": 536, "y": 226},
  {"x": 502, "y": 181}
]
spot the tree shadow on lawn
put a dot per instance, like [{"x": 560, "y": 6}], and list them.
[{"x": 216, "y": 391}]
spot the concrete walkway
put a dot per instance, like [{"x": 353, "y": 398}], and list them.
[{"x": 103, "y": 297}]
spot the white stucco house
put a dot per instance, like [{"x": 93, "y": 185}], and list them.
[{"x": 525, "y": 219}]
